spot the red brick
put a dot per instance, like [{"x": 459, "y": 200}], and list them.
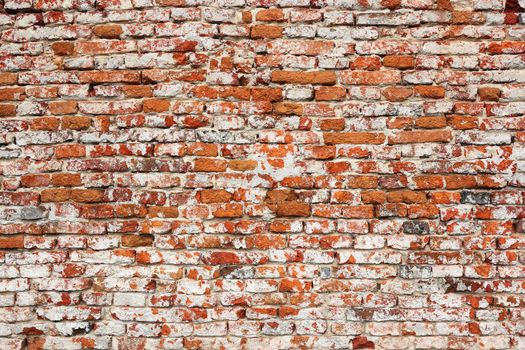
[
  {"x": 156, "y": 105},
  {"x": 354, "y": 138},
  {"x": 420, "y": 136},
  {"x": 266, "y": 31},
  {"x": 7, "y": 110},
  {"x": 87, "y": 196},
  {"x": 430, "y": 91},
  {"x": 293, "y": 77},
  {"x": 62, "y": 107},
  {"x": 210, "y": 165},
  {"x": 370, "y": 78},
  {"x": 489, "y": 94},
  {"x": 400, "y": 62},
  {"x": 108, "y": 31},
  {"x": 270, "y": 15},
  {"x": 63, "y": 48},
  {"x": 215, "y": 196},
  {"x": 12, "y": 242},
  {"x": 55, "y": 195},
  {"x": 137, "y": 240},
  {"x": 70, "y": 151},
  {"x": 66, "y": 179},
  {"x": 397, "y": 93},
  {"x": 293, "y": 209},
  {"x": 76, "y": 123},
  {"x": 330, "y": 93}
]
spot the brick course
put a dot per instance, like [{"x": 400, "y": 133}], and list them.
[{"x": 262, "y": 174}]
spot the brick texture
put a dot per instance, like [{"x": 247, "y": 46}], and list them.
[{"x": 262, "y": 174}]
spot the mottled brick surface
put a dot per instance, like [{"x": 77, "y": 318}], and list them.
[{"x": 262, "y": 174}]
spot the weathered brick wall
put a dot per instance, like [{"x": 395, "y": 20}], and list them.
[{"x": 262, "y": 174}]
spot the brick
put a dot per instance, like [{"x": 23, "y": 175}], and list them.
[
  {"x": 75, "y": 123},
  {"x": 45, "y": 123},
  {"x": 12, "y": 242},
  {"x": 63, "y": 48},
  {"x": 427, "y": 182},
  {"x": 242, "y": 165},
  {"x": 354, "y": 138},
  {"x": 32, "y": 213},
  {"x": 420, "y": 136},
  {"x": 162, "y": 212},
  {"x": 55, "y": 195},
  {"x": 509, "y": 47},
  {"x": 87, "y": 196},
  {"x": 7, "y": 110},
  {"x": 210, "y": 165},
  {"x": 34, "y": 180},
  {"x": 62, "y": 107},
  {"x": 156, "y": 105},
  {"x": 109, "y": 77},
  {"x": 366, "y": 63},
  {"x": 66, "y": 179},
  {"x": 430, "y": 91},
  {"x": 266, "y": 31},
  {"x": 137, "y": 240},
  {"x": 288, "y": 108},
  {"x": 12, "y": 94},
  {"x": 137, "y": 91},
  {"x": 270, "y": 15},
  {"x": 292, "y": 208},
  {"x": 70, "y": 151},
  {"x": 332, "y": 124},
  {"x": 292, "y": 77},
  {"x": 228, "y": 211},
  {"x": 489, "y": 94},
  {"x": 431, "y": 122},
  {"x": 266, "y": 94},
  {"x": 215, "y": 196},
  {"x": 399, "y": 62},
  {"x": 108, "y": 31},
  {"x": 330, "y": 93},
  {"x": 370, "y": 78},
  {"x": 397, "y": 94},
  {"x": 300, "y": 47}
]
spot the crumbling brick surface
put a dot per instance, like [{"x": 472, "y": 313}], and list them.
[{"x": 262, "y": 174}]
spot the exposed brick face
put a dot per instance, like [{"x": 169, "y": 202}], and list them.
[{"x": 262, "y": 174}]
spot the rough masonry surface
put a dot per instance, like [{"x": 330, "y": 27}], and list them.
[{"x": 262, "y": 174}]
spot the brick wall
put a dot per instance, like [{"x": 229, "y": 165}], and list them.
[{"x": 262, "y": 174}]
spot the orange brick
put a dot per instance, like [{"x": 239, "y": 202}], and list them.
[
  {"x": 397, "y": 94},
  {"x": 399, "y": 62},
  {"x": 63, "y": 48},
  {"x": 156, "y": 106},
  {"x": 420, "y": 136},
  {"x": 215, "y": 196},
  {"x": 266, "y": 31},
  {"x": 330, "y": 93},
  {"x": 76, "y": 123},
  {"x": 354, "y": 138},
  {"x": 108, "y": 31},
  {"x": 210, "y": 165},
  {"x": 292, "y": 77},
  {"x": 62, "y": 107},
  {"x": 137, "y": 240},
  {"x": 489, "y": 94},
  {"x": 12, "y": 242},
  {"x": 429, "y": 91},
  {"x": 270, "y": 15}
]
